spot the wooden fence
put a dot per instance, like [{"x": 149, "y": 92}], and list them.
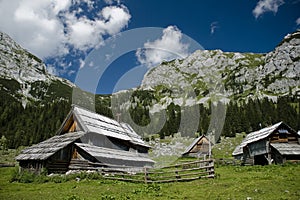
[{"x": 181, "y": 172}]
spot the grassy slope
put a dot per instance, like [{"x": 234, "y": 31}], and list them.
[
  {"x": 227, "y": 145},
  {"x": 233, "y": 182}
]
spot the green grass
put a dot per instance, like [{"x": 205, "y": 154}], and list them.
[
  {"x": 227, "y": 145},
  {"x": 232, "y": 182},
  {"x": 8, "y": 156}
]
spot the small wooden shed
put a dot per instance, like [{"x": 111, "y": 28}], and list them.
[
  {"x": 274, "y": 144},
  {"x": 199, "y": 147},
  {"x": 87, "y": 140}
]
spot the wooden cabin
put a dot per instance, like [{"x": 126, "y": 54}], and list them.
[
  {"x": 199, "y": 147},
  {"x": 274, "y": 144},
  {"x": 87, "y": 141}
]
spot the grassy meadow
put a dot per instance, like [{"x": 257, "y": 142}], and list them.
[{"x": 231, "y": 182}]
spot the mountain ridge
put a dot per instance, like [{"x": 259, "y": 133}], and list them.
[
  {"x": 34, "y": 102},
  {"x": 242, "y": 75},
  {"x": 24, "y": 76}
]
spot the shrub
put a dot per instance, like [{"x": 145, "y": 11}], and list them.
[{"x": 23, "y": 177}]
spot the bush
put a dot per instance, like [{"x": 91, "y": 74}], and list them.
[{"x": 23, "y": 177}]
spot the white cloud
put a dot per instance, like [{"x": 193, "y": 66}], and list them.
[
  {"x": 52, "y": 70},
  {"x": 112, "y": 1},
  {"x": 168, "y": 47},
  {"x": 81, "y": 63},
  {"x": 298, "y": 21},
  {"x": 266, "y": 6},
  {"x": 34, "y": 24},
  {"x": 49, "y": 28},
  {"x": 213, "y": 27},
  {"x": 115, "y": 18},
  {"x": 84, "y": 33}
]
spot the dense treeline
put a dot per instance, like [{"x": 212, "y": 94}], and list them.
[
  {"x": 36, "y": 122},
  {"x": 26, "y": 126},
  {"x": 32, "y": 124},
  {"x": 257, "y": 114},
  {"x": 240, "y": 117}
]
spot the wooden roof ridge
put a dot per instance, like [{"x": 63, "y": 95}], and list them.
[
  {"x": 120, "y": 130},
  {"x": 90, "y": 121},
  {"x": 195, "y": 141},
  {"x": 72, "y": 112}
]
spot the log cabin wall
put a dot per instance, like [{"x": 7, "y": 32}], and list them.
[
  {"x": 284, "y": 135},
  {"x": 59, "y": 162},
  {"x": 202, "y": 146},
  {"x": 32, "y": 166}
]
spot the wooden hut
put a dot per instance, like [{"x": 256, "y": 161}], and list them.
[
  {"x": 273, "y": 144},
  {"x": 199, "y": 147},
  {"x": 87, "y": 140}
]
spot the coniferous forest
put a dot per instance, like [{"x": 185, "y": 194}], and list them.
[{"x": 35, "y": 123}]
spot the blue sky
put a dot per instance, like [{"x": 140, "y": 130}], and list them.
[{"x": 64, "y": 32}]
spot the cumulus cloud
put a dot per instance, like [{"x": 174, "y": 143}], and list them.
[
  {"x": 213, "y": 27},
  {"x": 114, "y": 19},
  {"x": 112, "y": 1},
  {"x": 50, "y": 28},
  {"x": 168, "y": 47},
  {"x": 84, "y": 33},
  {"x": 266, "y": 6},
  {"x": 298, "y": 21},
  {"x": 52, "y": 70},
  {"x": 34, "y": 24},
  {"x": 81, "y": 63}
]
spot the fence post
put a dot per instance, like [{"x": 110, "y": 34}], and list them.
[
  {"x": 145, "y": 174},
  {"x": 176, "y": 172}
]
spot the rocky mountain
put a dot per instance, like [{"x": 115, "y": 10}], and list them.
[
  {"x": 230, "y": 75},
  {"x": 176, "y": 96},
  {"x": 23, "y": 76},
  {"x": 212, "y": 91}
]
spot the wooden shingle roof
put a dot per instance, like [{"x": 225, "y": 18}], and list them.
[
  {"x": 259, "y": 135},
  {"x": 287, "y": 148},
  {"x": 96, "y": 123},
  {"x": 255, "y": 136},
  {"x": 107, "y": 155},
  {"x": 47, "y": 148}
]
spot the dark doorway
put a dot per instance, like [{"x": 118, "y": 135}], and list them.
[{"x": 260, "y": 160}]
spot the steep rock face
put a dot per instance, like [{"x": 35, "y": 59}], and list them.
[
  {"x": 281, "y": 73},
  {"x": 19, "y": 64},
  {"x": 24, "y": 77},
  {"x": 231, "y": 75}
]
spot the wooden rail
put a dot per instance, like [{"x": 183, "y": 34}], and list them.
[{"x": 176, "y": 173}]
